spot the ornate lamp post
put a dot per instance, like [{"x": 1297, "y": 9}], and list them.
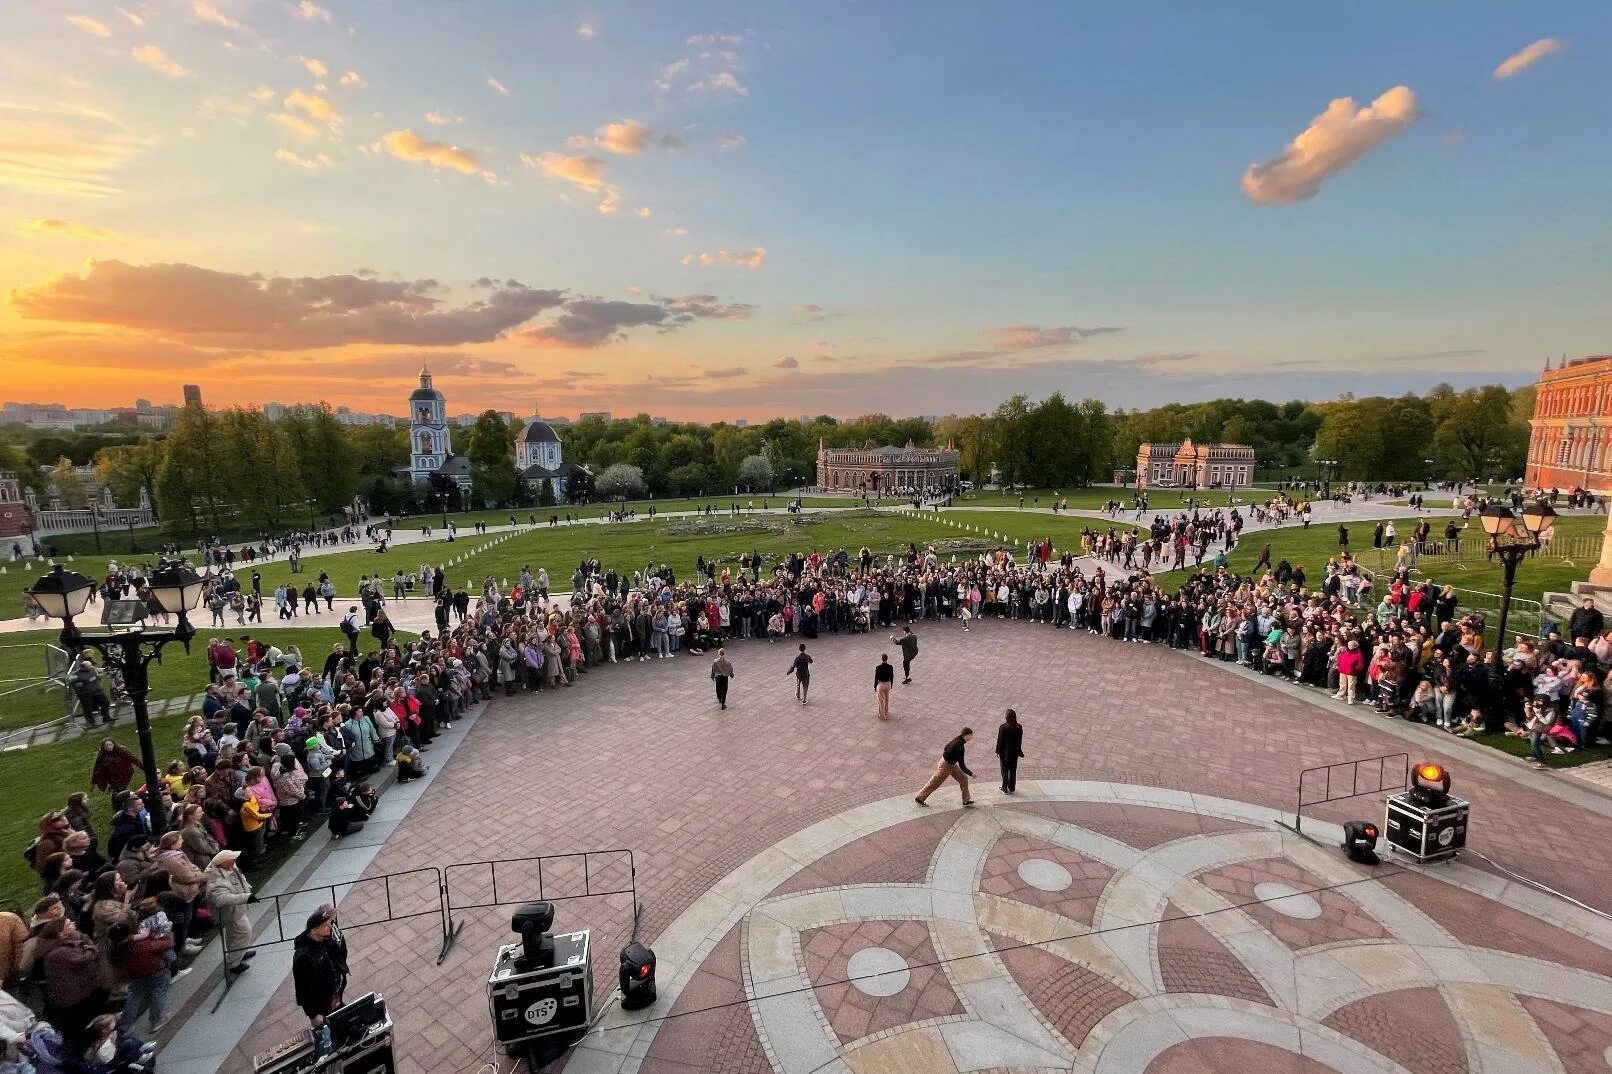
[
  {"x": 1512, "y": 538},
  {"x": 178, "y": 590}
]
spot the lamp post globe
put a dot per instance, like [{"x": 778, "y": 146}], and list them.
[
  {"x": 63, "y": 594},
  {"x": 177, "y": 587}
]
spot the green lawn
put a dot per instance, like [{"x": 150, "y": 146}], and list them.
[{"x": 1093, "y": 498}]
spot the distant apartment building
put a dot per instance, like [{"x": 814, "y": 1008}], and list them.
[
  {"x": 1570, "y": 445},
  {"x": 741, "y": 423},
  {"x": 600, "y": 415},
  {"x": 193, "y": 395}
]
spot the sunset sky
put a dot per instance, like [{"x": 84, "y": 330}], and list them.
[{"x": 718, "y": 211}]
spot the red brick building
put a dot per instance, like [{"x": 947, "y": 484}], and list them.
[
  {"x": 1189, "y": 465},
  {"x": 1571, "y": 443}
]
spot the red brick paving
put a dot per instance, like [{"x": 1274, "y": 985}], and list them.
[
  {"x": 1341, "y": 917},
  {"x": 1226, "y": 1055},
  {"x": 1413, "y": 1027},
  {"x": 1142, "y": 827},
  {"x": 1582, "y": 1039},
  {"x": 1071, "y": 997},
  {"x": 853, "y": 1013},
  {"x": 718, "y": 1035},
  {"x": 1192, "y": 960},
  {"x": 1480, "y": 922},
  {"x": 1078, "y": 901},
  {"x": 638, "y": 756},
  {"x": 899, "y": 854}
]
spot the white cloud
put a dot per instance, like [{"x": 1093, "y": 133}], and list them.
[
  {"x": 708, "y": 40},
  {"x": 676, "y": 232},
  {"x": 308, "y": 11},
  {"x": 64, "y": 149},
  {"x": 207, "y": 13},
  {"x": 316, "y": 68},
  {"x": 134, "y": 20},
  {"x": 664, "y": 80},
  {"x": 645, "y": 212},
  {"x": 610, "y": 203},
  {"x": 587, "y": 29},
  {"x": 751, "y": 258},
  {"x": 786, "y": 362},
  {"x": 154, "y": 58},
  {"x": 1527, "y": 56},
  {"x": 627, "y": 137},
  {"x": 353, "y": 79},
  {"x": 311, "y": 164},
  {"x": 89, "y": 25},
  {"x": 74, "y": 82},
  {"x": 1334, "y": 139},
  {"x": 262, "y": 93},
  {"x": 729, "y": 139},
  {"x": 442, "y": 119},
  {"x": 497, "y": 86},
  {"x": 721, "y": 82}
]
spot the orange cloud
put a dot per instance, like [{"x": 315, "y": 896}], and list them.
[
  {"x": 314, "y": 106},
  {"x": 354, "y": 80},
  {"x": 89, "y": 25},
  {"x": 296, "y": 125},
  {"x": 315, "y": 67},
  {"x": 308, "y": 11},
  {"x": 751, "y": 258},
  {"x": 206, "y": 12},
  {"x": 71, "y": 229},
  {"x": 63, "y": 149},
  {"x": 154, "y": 58},
  {"x": 1527, "y": 56},
  {"x": 583, "y": 171},
  {"x": 406, "y": 145},
  {"x": 311, "y": 164},
  {"x": 205, "y": 307},
  {"x": 628, "y": 137},
  {"x": 1334, "y": 140}
]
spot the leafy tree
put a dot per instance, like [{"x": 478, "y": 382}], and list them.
[
  {"x": 193, "y": 487},
  {"x": 129, "y": 468},
  {"x": 69, "y": 486},
  {"x": 755, "y": 473},
  {"x": 622, "y": 481},
  {"x": 1011, "y": 426},
  {"x": 492, "y": 459},
  {"x": 545, "y": 492}
]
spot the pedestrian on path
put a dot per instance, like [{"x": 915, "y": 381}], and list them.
[
  {"x": 884, "y": 676},
  {"x": 349, "y": 627},
  {"x": 721, "y": 672},
  {"x": 909, "y": 651},
  {"x": 952, "y": 766},
  {"x": 1009, "y": 748},
  {"x": 801, "y": 667}
]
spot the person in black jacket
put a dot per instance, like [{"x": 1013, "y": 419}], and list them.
[
  {"x": 319, "y": 971},
  {"x": 884, "y": 675},
  {"x": 1587, "y": 622},
  {"x": 951, "y": 766},
  {"x": 909, "y": 651},
  {"x": 1009, "y": 740}
]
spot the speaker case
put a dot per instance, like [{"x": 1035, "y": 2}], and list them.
[
  {"x": 1425, "y": 833},
  {"x": 515, "y": 996}
]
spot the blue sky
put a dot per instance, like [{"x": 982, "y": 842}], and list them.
[{"x": 902, "y": 209}]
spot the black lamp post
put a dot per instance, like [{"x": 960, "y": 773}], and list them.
[
  {"x": 1512, "y": 538},
  {"x": 178, "y": 590}
]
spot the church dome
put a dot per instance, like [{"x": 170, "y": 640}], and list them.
[
  {"x": 538, "y": 431},
  {"x": 425, "y": 392}
]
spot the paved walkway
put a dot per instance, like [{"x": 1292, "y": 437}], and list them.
[{"x": 1133, "y": 908}]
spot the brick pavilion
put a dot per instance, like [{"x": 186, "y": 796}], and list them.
[
  {"x": 887, "y": 468},
  {"x": 1572, "y": 426},
  {"x": 1189, "y": 465}
]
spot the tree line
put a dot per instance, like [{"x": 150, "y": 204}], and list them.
[{"x": 235, "y": 470}]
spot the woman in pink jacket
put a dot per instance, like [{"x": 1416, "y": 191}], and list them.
[{"x": 1351, "y": 662}]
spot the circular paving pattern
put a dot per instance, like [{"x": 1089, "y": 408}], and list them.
[
  {"x": 1114, "y": 929},
  {"x": 1287, "y": 901},
  {"x": 1044, "y": 875},
  {"x": 878, "y": 971}
]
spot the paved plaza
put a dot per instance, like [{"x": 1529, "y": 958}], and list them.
[{"x": 1132, "y": 908}]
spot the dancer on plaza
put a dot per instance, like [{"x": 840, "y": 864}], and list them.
[
  {"x": 801, "y": 668},
  {"x": 909, "y": 651},
  {"x": 721, "y": 672},
  {"x": 952, "y": 766},
  {"x": 884, "y": 676},
  {"x": 1009, "y": 748}
]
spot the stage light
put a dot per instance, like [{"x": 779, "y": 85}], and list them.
[
  {"x": 1430, "y": 784},
  {"x": 637, "y": 976},
  {"x": 532, "y": 922},
  {"x": 1360, "y": 841}
]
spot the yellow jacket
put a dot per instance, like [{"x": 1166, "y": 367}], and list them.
[{"x": 252, "y": 815}]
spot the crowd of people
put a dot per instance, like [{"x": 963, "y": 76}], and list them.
[{"x": 281, "y": 740}]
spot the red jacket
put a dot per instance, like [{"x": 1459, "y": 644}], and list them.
[
  {"x": 112, "y": 771},
  {"x": 1351, "y": 662}
]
